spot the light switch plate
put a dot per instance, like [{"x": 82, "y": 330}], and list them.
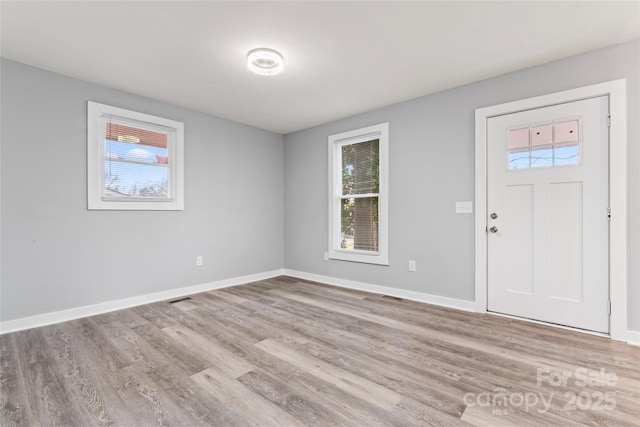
[{"x": 464, "y": 207}]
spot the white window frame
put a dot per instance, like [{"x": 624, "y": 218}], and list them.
[
  {"x": 95, "y": 160},
  {"x": 336, "y": 142}
]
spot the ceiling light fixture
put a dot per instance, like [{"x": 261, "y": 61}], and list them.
[{"x": 266, "y": 62}]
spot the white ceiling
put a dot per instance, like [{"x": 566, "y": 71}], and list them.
[{"x": 341, "y": 58}]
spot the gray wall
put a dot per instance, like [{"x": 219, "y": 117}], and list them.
[
  {"x": 432, "y": 166},
  {"x": 58, "y": 255}
]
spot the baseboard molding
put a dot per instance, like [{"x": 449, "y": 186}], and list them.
[
  {"x": 633, "y": 337},
  {"x": 394, "y": 292},
  {"x": 91, "y": 310}
]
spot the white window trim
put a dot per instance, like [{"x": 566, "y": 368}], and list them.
[
  {"x": 95, "y": 158},
  {"x": 381, "y": 131}
]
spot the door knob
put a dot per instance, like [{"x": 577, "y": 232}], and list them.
[
  {"x": 494, "y": 215},
  {"x": 493, "y": 229}
]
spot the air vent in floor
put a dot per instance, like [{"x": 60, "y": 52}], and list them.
[{"x": 179, "y": 300}]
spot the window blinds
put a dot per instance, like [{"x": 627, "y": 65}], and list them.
[
  {"x": 360, "y": 192},
  {"x": 136, "y": 159}
]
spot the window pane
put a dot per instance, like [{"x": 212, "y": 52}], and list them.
[
  {"x": 361, "y": 168},
  {"x": 567, "y": 155},
  {"x": 541, "y": 135},
  {"x": 120, "y": 132},
  {"x": 126, "y": 180},
  {"x": 566, "y": 132},
  {"x": 519, "y": 160},
  {"x": 135, "y": 152},
  {"x": 136, "y": 162},
  {"x": 542, "y": 158},
  {"x": 519, "y": 139},
  {"x": 359, "y": 224},
  {"x": 135, "y": 170}
]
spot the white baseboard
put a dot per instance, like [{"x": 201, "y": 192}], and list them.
[
  {"x": 394, "y": 292},
  {"x": 633, "y": 337},
  {"x": 104, "y": 307}
]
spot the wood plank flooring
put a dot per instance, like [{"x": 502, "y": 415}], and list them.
[{"x": 287, "y": 352}]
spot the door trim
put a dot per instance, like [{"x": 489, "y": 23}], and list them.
[{"x": 617, "y": 93}]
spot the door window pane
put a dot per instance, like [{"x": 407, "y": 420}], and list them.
[
  {"x": 519, "y": 139},
  {"x": 566, "y": 132},
  {"x": 541, "y": 135},
  {"x": 566, "y": 155},
  {"x": 519, "y": 160},
  {"x": 546, "y": 145},
  {"x": 541, "y": 158}
]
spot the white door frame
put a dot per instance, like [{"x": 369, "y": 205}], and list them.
[{"x": 617, "y": 92}]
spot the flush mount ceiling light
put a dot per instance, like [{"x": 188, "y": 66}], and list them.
[{"x": 266, "y": 62}]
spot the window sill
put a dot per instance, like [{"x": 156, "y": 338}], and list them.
[{"x": 361, "y": 257}]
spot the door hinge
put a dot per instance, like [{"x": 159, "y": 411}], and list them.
[
  {"x": 608, "y": 214},
  {"x": 609, "y": 305},
  {"x": 609, "y": 120}
]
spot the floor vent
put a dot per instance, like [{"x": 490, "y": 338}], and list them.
[
  {"x": 390, "y": 297},
  {"x": 179, "y": 300}
]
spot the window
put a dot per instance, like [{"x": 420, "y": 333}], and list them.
[
  {"x": 545, "y": 145},
  {"x": 358, "y": 195},
  {"x": 135, "y": 160}
]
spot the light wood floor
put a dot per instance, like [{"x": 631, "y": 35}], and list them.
[{"x": 285, "y": 352}]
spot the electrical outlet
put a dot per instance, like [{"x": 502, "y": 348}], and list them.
[
  {"x": 412, "y": 265},
  {"x": 199, "y": 261},
  {"x": 326, "y": 256}
]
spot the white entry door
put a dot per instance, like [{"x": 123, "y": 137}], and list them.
[{"x": 547, "y": 200}]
